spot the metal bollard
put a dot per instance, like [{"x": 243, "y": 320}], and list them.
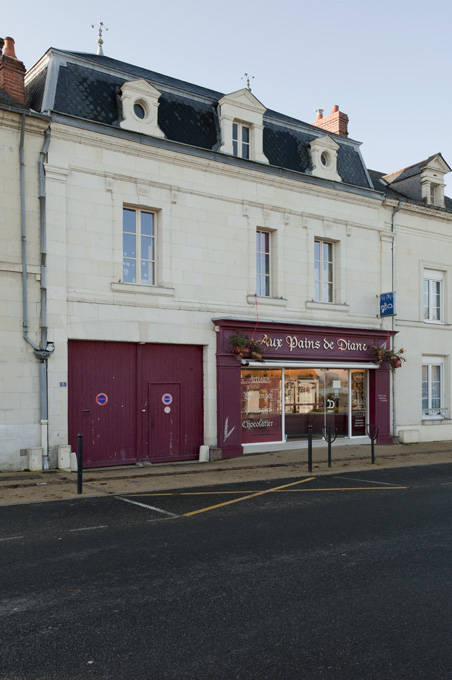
[
  {"x": 327, "y": 434},
  {"x": 309, "y": 448},
  {"x": 372, "y": 432},
  {"x": 79, "y": 463}
]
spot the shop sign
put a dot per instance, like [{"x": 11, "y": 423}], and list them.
[
  {"x": 387, "y": 304},
  {"x": 294, "y": 342}
]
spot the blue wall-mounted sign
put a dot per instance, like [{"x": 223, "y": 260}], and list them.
[{"x": 387, "y": 304}]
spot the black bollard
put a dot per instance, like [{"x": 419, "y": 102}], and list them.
[
  {"x": 309, "y": 448},
  {"x": 79, "y": 462},
  {"x": 329, "y": 434},
  {"x": 372, "y": 432}
]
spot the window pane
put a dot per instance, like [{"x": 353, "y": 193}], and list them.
[
  {"x": 317, "y": 291},
  {"x": 129, "y": 271},
  {"x": 245, "y": 134},
  {"x": 436, "y": 300},
  {"x": 147, "y": 272},
  {"x": 317, "y": 250},
  {"x": 426, "y": 298},
  {"x": 147, "y": 224},
  {"x": 327, "y": 252},
  {"x": 330, "y": 293},
  {"x": 235, "y": 133},
  {"x": 129, "y": 220},
  {"x": 235, "y": 148},
  {"x": 129, "y": 245},
  {"x": 147, "y": 248},
  {"x": 245, "y": 151}
]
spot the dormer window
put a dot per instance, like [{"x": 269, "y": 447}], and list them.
[
  {"x": 240, "y": 140},
  {"x": 140, "y": 105},
  {"x": 242, "y": 125},
  {"x": 324, "y": 158},
  {"x": 423, "y": 181}
]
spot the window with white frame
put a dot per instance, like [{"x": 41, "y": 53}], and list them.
[
  {"x": 323, "y": 271},
  {"x": 433, "y": 296},
  {"x": 262, "y": 263},
  {"x": 138, "y": 240},
  {"x": 240, "y": 140},
  {"x": 432, "y": 388}
]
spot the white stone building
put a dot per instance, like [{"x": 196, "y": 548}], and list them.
[{"x": 154, "y": 220}]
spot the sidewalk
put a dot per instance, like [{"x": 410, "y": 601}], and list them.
[{"x": 38, "y": 487}]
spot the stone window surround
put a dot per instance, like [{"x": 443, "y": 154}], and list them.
[
  {"x": 263, "y": 257},
  {"x": 429, "y": 362},
  {"x": 433, "y": 275},
  {"x": 322, "y": 242},
  {"x": 138, "y": 236}
]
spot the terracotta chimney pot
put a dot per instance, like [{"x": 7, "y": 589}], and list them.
[
  {"x": 9, "y": 48},
  {"x": 319, "y": 114},
  {"x": 335, "y": 109}
]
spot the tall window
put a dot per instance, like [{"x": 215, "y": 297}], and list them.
[
  {"x": 323, "y": 271},
  {"x": 240, "y": 140},
  {"x": 432, "y": 388},
  {"x": 433, "y": 296},
  {"x": 262, "y": 263},
  {"x": 138, "y": 246}
]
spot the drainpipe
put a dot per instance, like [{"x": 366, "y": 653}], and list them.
[
  {"x": 24, "y": 236},
  {"x": 393, "y": 229},
  {"x": 44, "y": 351}
]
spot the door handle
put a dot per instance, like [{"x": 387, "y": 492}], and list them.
[{"x": 86, "y": 410}]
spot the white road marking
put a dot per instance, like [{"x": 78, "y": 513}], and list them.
[
  {"x": 369, "y": 481},
  {"x": 148, "y": 507},
  {"x": 102, "y": 526},
  {"x": 11, "y": 538}
]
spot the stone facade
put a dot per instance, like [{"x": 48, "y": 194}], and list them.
[{"x": 208, "y": 207}]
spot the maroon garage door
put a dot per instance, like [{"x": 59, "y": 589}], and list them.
[{"x": 135, "y": 403}]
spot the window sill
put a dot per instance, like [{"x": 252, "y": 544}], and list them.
[
  {"x": 330, "y": 306},
  {"x": 432, "y": 321},
  {"x": 138, "y": 289},
  {"x": 436, "y": 421},
  {"x": 267, "y": 301}
]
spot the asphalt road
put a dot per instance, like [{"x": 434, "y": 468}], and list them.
[{"x": 340, "y": 577}]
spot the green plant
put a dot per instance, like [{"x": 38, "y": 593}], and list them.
[{"x": 394, "y": 358}]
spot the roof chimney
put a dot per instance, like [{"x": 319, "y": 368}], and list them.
[
  {"x": 336, "y": 122},
  {"x": 12, "y": 72}
]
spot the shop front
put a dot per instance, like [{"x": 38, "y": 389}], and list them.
[{"x": 316, "y": 376}]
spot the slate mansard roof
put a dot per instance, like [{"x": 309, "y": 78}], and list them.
[{"x": 87, "y": 86}]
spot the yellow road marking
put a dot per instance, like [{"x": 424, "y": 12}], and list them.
[{"x": 245, "y": 498}]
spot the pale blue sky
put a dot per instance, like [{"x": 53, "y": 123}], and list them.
[{"x": 386, "y": 64}]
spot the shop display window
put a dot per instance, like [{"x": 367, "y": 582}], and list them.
[
  {"x": 261, "y": 405},
  {"x": 320, "y": 397}
]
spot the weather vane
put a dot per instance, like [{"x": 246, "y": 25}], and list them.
[
  {"x": 247, "y": 76},
  {"x": 100, "y": 42}
]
